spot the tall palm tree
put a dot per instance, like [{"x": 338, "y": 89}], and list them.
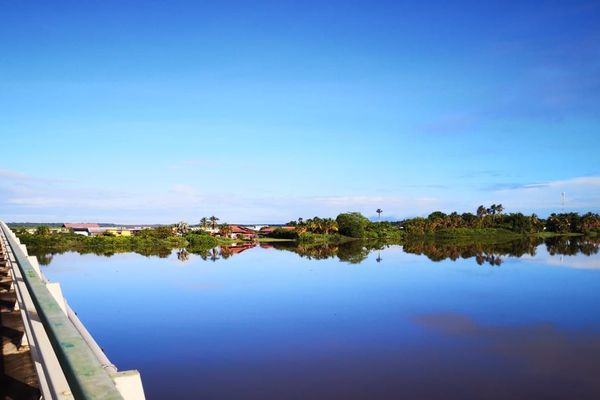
[
  {"x": 499, "y": 209},
  {"x": 214, "y": 254},
  {"x": 204, "y": 222},
  {"x": 329, "y": 226},
  {"x": 481, "y": 211},
  {"x": 379, "y": 211},
  {"x": 182, "y": 228},
  {"x": 183, "y": 255},
  {"x": 213, "y": 221}
]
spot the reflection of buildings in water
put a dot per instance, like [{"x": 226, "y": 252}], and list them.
[
  {"x": 355, "y": 252},
  {"x": 183, "y": 255},
  {"x": 224, "y": 252},
  {"x": 227, "y": 251}
]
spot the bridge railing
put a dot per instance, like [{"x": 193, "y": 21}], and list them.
[{"x": 68, "y": 361}]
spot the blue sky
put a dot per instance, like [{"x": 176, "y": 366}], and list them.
[{"x": 158, "y": 111}]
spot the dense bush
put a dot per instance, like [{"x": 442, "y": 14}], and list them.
[
  {"x": 283, "y": 234},
  {"x": 352, "y": 224}
]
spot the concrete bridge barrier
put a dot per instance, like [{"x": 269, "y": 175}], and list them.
[{"x": 68, "y": 362}]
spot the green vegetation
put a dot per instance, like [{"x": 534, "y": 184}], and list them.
[
  {"x": 488, "y": 225},
  {"x": 492, "y": 221},
  {"x": 352, "y": 224},
  {"x": 485, "y": 251},
  {"x": 281, "y": 233},
  {"x": 322, "y": 238},
  {"x": 157, "y": 241},
  {"x": 458, "y": 233},
  {"x": 347, "y": 226}
]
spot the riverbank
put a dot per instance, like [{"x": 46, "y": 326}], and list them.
[
  {"x": 478, "y": 235},
  {"x": 159, "y": 243},
  {"x": 149, "y": 243}
]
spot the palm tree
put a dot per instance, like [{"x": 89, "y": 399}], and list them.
[
  {"x": 213, "y": 221},
  {"x": 182, "y": 228},
  {"x": 379, "y": 211},
  {"x": 499, "y": 208},
  {"x": 214, "y": 254},
  {"x": 204, "y": 222},
  {"x": 481, "y": 211},
  {"x": 183, "y": 255},
  {"x": 329, "y": 225}
]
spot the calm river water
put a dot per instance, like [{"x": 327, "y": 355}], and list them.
[{"x": 519, "y": 321}]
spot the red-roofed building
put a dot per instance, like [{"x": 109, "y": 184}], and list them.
[
  {"x": 81, "y": 229},
  {"x": 231, "y": 250},
  {"x": 240, "y": 232},
  {"x": 269, "y": 229},
  {"x": 80, "y": 226}
]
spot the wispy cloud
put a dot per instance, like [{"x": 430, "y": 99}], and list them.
[
  {"x": 69, "y": 200},
  {"x": 5, "y": 173},
  {"x": 580, "y": 192},
  {"x": 23, "y": 196}
]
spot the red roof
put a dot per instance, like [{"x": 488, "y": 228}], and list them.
[
  {"x": 236, "y": 249},
  {"x": 269, "y": 229},
  {"x": 242, "y": 230},
  {"x": 80, "y": 226}
]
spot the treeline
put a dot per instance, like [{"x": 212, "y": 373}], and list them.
[
  {"x": 153, "y": 241},
  {"x": 493, "y": 218},
  {"x": 485, "y": 222},
  {"x": 346, "y": 225}
]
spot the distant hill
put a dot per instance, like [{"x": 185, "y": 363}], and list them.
[{"x": 59, "y": 224}]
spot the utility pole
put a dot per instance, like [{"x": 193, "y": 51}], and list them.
[{"x": 562, "y": 201}]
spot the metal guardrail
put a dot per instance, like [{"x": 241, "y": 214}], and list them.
[{"x": 87, "y": 376}]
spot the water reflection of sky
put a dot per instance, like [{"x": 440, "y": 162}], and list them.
[
  {"x": 270, "y": 324},
  {"x": 578, "y": 261}
]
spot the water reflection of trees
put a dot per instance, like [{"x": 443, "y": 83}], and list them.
[
  {"x": 494, "y": 253},
  {"x": 45, "y": 255},
  {"x": 436, "y": 250},
  {"x": 484, "y": 253},
  {"x": 572, "y": 245},
  {"x": 222, "y": 252},
  {"x": 183, "y": 255},
  {"x": 355, "y": 252}
]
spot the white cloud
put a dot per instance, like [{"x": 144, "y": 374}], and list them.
[
  {"x": 5, "y": 173},
  {"x": 580, "y": 193},
  {"x": 39, "y": 199}
]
